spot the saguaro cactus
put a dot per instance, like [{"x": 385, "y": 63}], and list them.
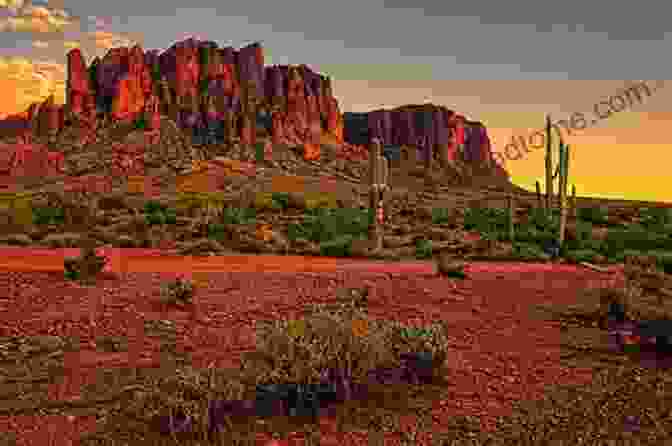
[
  {"x": 562, "y": 173},
  {"x": 549, "y": 166},
  {"x": 511, "y": 211},
  {"x": 563, "y": 168},
  {"x": 378, "y": 178}
]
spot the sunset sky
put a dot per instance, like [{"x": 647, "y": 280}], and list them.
[{"x": 523, "y": 59}]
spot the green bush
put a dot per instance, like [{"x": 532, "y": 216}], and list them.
[
  {"x": 153, "y": 206},
  {"x": 542, "y": 221},
  {"x": 529, "y": 233},
  {"x": 340, "y": 246},
  {"x": 155, "y": 218},
  {"x": 325, "y": 224},
  {"x": 440, "y": 215},
  {"x": 239, "y": 216},
  {"x": 664, "y": 261},
  {"x": 281, "y": 198},
  {"x": 216, "y": 231},
  {"x": 655, "y": 217},
  {"x": 485, "y": 219},
  {"x": 415, "y": 332},
  {"x": 48, "y": 215},
  {"x": 594, "y": 214},
  {"x": 259, "y": 152},
  {"x": 619, "y": 257},
  {"x": 170, "y": 216},
  {"x": 71, "y": 274},
  {"x": 529, "y": 251},
  {"x": 140, "y": 123},
  {"x": 584, "y": 230},
  {"x": 581, "y": 255},
  {"x": 423, "y": 249},
  {"x": 635, "y": 239}
]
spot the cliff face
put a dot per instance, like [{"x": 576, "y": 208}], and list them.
[
  {"x": 431, "y": 129},
  {"x": 220, "y": 94},
  {"x": 202, "y": 87},
  {"x": 209, "y": 91}
]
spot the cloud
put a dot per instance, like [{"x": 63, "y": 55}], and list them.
[
  {"x": 35, "y": 19},
  {"x": 32, "y": 81},
  {"x": 12, "y": 5},
  {"x": 106, "y": 40},
  {"x": 53, "y": 30}
]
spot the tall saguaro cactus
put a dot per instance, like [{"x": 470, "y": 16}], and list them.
[
  {"x": 562, "y": 174},
  {"x": 563, "y": 168},
  {"x": 549, "y": 166},
  {"x": 378, "y": 178}
]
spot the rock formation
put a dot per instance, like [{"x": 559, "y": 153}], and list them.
[
  {"x": 212, "y": 93},
  {"x": 434, "y": 131},
  {"x": 221, "y": 94}
]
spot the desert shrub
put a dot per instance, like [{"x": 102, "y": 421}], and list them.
[
  {"x": 326, "y": 224},
  {"x": 216, "y": 231},
  {"x": 259, "y": 152},
  {"x": 619, "y": 257},
  {"x": 140, "y": 123},
  {"x": 581, "y": 255},
  {"x": 85, "y": 267},
  {"x": 71, "y": 274},
  {"x": 594, "y": 214},
  {"x": 440, "y": 215},
  {"x": 529, "y": 251},
  {"x": 155, "y": 218},
  {"x": 485, "y": 219},
  {"x": 238, "y": 216},
  {"x": 664, "y": 261},
  {"x": 48, "y": 215},
  {"x": 302, "y": 349},
  {"x": 298, "y": 350},
  {"x": 170, "y": 216},
  {"x": 529, "y": 233},
  {"x": 635, "y": 239},
  {"x": 450, "y": 266},
  {"x": 158, "y": 214},
  {"x": 423, "y": 249},
  {"x": 584, "y": 230},
  {"x": 179, "y": 291},
  {"x": 341, "y": 246},
  {"x": 281, "y": 199},
  {"x": 541, "y": 220},
  {"x": 655, "y": 217},
  {"x": 153, "y": 206}
]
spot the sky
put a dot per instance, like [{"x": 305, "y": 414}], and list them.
[{"x": 505, "y": 64}]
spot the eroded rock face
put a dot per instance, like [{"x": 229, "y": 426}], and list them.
[
  {"x": 433, "y": 130},
  {"x": 199, "y": 86},
  {"x": 218, "y": 94},
  {"x": 79, "y": 93}
]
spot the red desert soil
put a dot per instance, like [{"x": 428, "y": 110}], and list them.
[{"x": 501, "y": 351}]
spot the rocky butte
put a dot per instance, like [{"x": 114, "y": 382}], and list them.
[{"x": 222, "y": 94}]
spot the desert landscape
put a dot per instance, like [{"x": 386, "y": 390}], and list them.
[{"x": 192, "y": 233}]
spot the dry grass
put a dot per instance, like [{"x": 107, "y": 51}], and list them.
[{"x": 340, "y": 336}]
